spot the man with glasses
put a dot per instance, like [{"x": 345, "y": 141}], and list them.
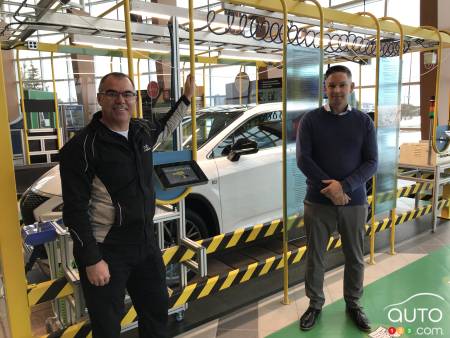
[{"x": 109, "y": 204}]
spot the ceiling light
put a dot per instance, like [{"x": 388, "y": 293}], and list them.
[
  {"x": 250, "y": 56},
  {"x": 110, "y": 43}
]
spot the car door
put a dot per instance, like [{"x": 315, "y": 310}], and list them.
[{"x": 250, "y": 188}]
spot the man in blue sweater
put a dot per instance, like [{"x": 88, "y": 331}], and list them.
[{"x": 337, "y": 152}]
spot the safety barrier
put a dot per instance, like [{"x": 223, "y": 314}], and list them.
[
  {"x": 241, "y": 236},
  {"x": 46, "y": 291},
  {"x": 57, "y": 289},
  {"x": 218, "y": 283},
  {"x": 238, "y": 276}
]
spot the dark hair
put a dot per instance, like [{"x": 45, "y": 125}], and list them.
[
  {"x": 113, "y": 74},
  {"x": 338, "y": 69}
]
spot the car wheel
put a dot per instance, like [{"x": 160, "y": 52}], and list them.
[{"x": 195, "y": 230}]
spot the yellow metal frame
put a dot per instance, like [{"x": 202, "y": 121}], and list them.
[
  {"x": 204, "y": 85},
  {"x": 256, "y": 84},
  {"x": 11, "y": 256},
  {"x": 377, "y": 82},
  {"x": 321, "y": 24},
  {"x": 55, "y": 102},
  {"x": 9, "y": 238},
  {"x": 332, "y": 15},
  {"x": 400, "y": 54},
  {"x": 140, "y": 112},
  {"x": 24, "y": 113},
  {"x": 129, "y": 39},
  {"x": 240, "y": 84},
  {"x": 436, "y": 95}
]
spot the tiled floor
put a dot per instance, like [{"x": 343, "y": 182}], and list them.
[{"x": 269, "y": 315}]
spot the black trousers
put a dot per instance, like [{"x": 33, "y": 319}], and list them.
[{"x": 140, "y": 270}]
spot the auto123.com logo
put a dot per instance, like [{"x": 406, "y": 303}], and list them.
[{"x": 422, "y": 314}]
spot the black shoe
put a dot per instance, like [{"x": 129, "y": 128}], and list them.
[
  {"x": 309, "y": 318},
  {"x": 359, "y": 318}
]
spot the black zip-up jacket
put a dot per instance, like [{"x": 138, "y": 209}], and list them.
[{"x": 107, "y": 183}]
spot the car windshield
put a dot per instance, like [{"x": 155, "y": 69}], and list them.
[{"x": 209, "y": 123}]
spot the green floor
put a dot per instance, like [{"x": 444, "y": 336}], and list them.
[{"x": 429, "y": 276}]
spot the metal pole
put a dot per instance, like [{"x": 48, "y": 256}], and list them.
[
  {"x": 256, "y": 84},
  {"x": 140, "y": 113},
  {"x": 436, "y": 95},
  {"x": 11, "y": 256},
  {"x": 126, "y": 12},
  {"x": 240, "y": 86},
  {"x": 360, "y": 89},
  {"x": 377, "y": 82},
  {"x": 204, "y": 85},
  {"x": 192, "y": 65},
  {"x": 24, "y": 113},
  {"x": 285, "y": 300}
]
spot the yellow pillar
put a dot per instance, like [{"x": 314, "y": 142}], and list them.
[
  {"x": 445, "y": 212},
  {"x": 129, "y": 39},
  {"x": 10, "y": 241},
  {"x": 377, "y": 82},
  {"x": 55, "y": 102}
]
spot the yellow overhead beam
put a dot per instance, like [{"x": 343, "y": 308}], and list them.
[{"x": 300, "y": 9}]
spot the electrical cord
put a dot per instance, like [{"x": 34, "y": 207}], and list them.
[{"x": 260, "y": 29}]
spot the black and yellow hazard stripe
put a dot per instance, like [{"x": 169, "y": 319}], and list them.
[
  {"x": 233, "y": 239},
  {"x": 406, "y": 191},
  {"x": 241, "y": 275},
  {"x": 53, "y": 289},
  {"x": 405, "y": 217},
  {"x": 219, "y": 283}
]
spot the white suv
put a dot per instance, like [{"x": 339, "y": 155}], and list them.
[{"x": 244, "y": 188}]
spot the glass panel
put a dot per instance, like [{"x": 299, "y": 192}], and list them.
[
  {"x": 410, "y": 116},
  {"x": 367, "y": 99},
  {"x": 62, "y": 89},
  {"x": 223, "y": 84},
  {"x": 303, "y": 88},
  {"x": 411, "y": 67},
  {"x": 368, "y": 73},
  {"x": 388, "y": 134},
  {"x": 60, "y": 65},
  {"x": 46, "y": 69}
]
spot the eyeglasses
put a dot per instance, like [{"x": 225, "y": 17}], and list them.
[{"x": 112, "y": 94}]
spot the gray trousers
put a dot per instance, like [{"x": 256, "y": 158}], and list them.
[{"x": 320, "y": 222}]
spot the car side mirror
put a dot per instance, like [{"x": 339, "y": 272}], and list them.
[{"x": 243, "y": 146}]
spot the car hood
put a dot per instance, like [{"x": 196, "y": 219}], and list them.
[{"x": 49, "y": 183}]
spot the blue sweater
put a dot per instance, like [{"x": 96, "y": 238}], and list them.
[{"x": 339, "y": 147}]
